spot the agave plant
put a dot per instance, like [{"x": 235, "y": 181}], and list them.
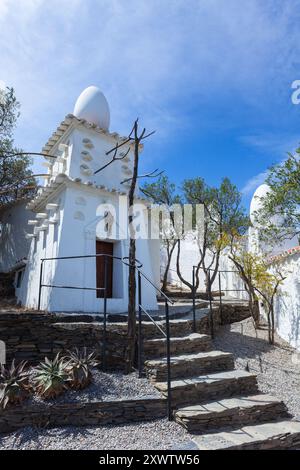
[
  {"x": 80, "y": 364},
  {"x": 51, "y": 377},
  {"x": 14, "y": 383}
]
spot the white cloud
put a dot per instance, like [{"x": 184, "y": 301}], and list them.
[
  {"x": 274, "y": 145},
  {"x": 271, "y": 146},
  {"x": 253, "y": 183},
  {"x": 150, "y": 58}
]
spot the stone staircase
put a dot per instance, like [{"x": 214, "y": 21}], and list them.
[{"x": 220, "y": 406}]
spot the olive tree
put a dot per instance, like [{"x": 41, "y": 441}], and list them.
[
  {"x": 223, "y": 214},
  {"x": 15, "y": 174},
  {"x": 281, "y": 205}
]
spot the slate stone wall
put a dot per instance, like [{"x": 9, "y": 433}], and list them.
[
  {"x": 82, "y": 414},
  {"x": 32, "y": 336}
]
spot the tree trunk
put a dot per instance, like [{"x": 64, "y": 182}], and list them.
[
  {"x": 272, "y": 325},
  {"x": 167, "y": 268},
  {"x": 131, "y": 322},
  {"x": 188, "y": 284},
  {"x": 131, "y": 325}
]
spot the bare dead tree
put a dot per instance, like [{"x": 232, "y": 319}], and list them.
[
  {"x": 115, "y": 155},
  {"x": 135, "y": 138}
]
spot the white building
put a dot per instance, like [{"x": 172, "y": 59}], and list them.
[
  {"x": 79, "y": 213},
  {"x": 286, "y": 255},
  {"x": 14, "y": 244},
  {"x": 287, "y": 259}
]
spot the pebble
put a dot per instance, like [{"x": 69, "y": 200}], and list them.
[
  {"x": 152, "y": 435},
  {"x": 278, "y": 373}
]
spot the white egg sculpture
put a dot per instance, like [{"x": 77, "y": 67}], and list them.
[
  {"x": 92, "y": 106},
  {"x": 257, "y": 201}
]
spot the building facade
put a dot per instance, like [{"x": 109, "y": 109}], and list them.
[{"x": 78, "y": 213}]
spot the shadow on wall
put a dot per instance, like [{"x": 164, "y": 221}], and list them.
[
  {"x": 13, "y": 243},
  {"x": 287, "y": 305}
]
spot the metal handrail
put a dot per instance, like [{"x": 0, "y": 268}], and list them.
[
  {"x": 153, "y": 285},
  {"x": 166, "y": 334},
  {"x": 140, "y": 307},
  {"x": 219, "y": 271},
  {"x": 137, "y": 267},
  {"x": 153, "y": 321}
]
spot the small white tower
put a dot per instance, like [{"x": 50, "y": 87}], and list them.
[{"x": 80, "y": 211}]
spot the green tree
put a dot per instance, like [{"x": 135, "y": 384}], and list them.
[
  {"x": 261, "y": 280},
  {"x": 281, "y": 206},
  {"x": 15, "y": 173},
  {"x": 223, "y": 215}
]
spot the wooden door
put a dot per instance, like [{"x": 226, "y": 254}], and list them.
[{"x": 107, "y": 249}]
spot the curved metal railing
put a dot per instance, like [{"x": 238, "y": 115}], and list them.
[{"x": 137, "y": 266}]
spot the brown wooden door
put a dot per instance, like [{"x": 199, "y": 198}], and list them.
[{"x": 107, "y": 249}]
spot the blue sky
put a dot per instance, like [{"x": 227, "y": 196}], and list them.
[{"x": 213, "y": 77}]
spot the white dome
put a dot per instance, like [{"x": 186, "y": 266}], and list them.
[
  {"x": 256, "y": 202},
  {"x": 92, "y": 106}
]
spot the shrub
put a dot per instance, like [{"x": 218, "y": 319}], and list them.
[
  {"x": 14, "y": 383},
  {"x": 51, "y": 377},
  {"x": 80, "y": 364}
]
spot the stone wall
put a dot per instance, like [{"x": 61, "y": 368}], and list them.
[
  {"x": 234, "y": 312},
  {"x": 32, "y": 336},
  {"x": 82, "y": 414}
]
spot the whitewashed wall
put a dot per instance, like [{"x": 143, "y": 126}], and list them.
[
  {"x": 75, "y": 235},
  {"x": 43, "y": 246},
  {"x": 287, "y": 304},
  {"x": 189, "y": 256}
]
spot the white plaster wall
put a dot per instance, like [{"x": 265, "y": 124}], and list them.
[
  {"x": 231, "y": 283},
  {"x": 154, "y": 246},
  {"x": 111, "y": 177},
  {"x": 76, "y": 233},
  {"x": 287, "y": 304},
  {"x": 45, "y": 245},
  {"x": 13, "y": 244},
  {"x": 77, "y": 236},
  {"x": 189, "y": 256}
]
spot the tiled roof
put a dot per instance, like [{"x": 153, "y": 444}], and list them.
[{"x": 285, "y": 254}]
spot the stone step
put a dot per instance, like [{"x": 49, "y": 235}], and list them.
[
  {"x": 233, "y": 412},
  {"x": 178, "y": 328},
  {"x": 276, "y": 435},
  {"x": 210, "y": 387},
  {"x": 189, "y": 365},
  {"x": 192, "y": 343}
]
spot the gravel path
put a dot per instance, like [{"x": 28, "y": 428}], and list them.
[
  {"x": 105, "y": 387},
  {"x": 277, "y": 367},
  {"x": 278, "y": 372},
  {"x": 151, "y": 435},
  {"x": 158, "y": 434}
]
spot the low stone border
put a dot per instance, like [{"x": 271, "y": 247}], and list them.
[
  {"x": 32, "y": 336},
  {"x": 82, "y": 414}
]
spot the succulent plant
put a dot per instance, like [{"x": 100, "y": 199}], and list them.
[
  {"x": 80, "y": 364},
  {"x": 51, "y": 377},
  {"x": 14, "y": 383}
]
